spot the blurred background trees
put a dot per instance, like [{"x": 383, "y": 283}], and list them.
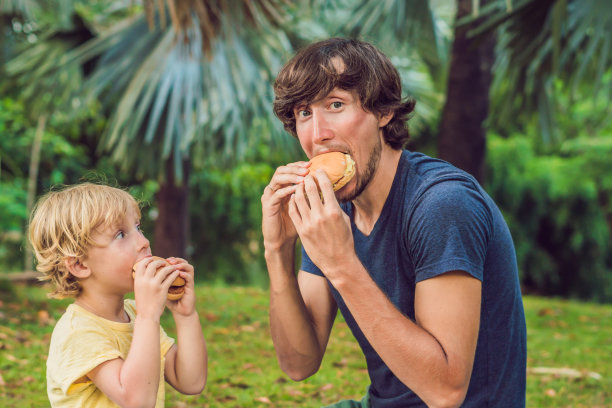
[{"x": 173, "y": 99}]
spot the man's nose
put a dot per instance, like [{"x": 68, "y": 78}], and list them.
[{"x": 321, "y": 130}]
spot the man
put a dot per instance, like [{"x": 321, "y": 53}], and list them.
[{"x": 414, "y": 253}]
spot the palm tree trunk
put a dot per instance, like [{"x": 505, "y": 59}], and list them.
[
  {"x": 32, "y": 181},
  {"x": 462, "y": 137},
  {"x": 171, "y": 235}
]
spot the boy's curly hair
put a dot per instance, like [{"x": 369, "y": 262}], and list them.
[{"x": 62, "y": 225}]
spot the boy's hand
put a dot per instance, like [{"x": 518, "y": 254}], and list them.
[
  {"x": 151, "y": 283},
  {"x": 186, "y": 304}
]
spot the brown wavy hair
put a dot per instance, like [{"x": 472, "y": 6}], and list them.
[
  {"x": 62, "y": 226},
  {"x": 311, "y": 75}
]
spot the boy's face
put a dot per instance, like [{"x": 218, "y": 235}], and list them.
[
  {"x": 338, "y": 122},
  {"x": 120, "y": 247}
]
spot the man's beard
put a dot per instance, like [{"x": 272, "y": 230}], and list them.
[{"x": 364, "y": 178}]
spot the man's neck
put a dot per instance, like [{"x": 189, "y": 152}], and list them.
[{"x": 371, "y": 201}]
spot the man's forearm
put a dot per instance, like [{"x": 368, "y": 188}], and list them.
[
  {"x": 419, "y": 359},
  {"x": 293, "y": 334}
]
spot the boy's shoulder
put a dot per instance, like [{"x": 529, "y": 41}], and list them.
[
  {"x": 74, "y": 319},
  {"x": 77, "y": 320}
]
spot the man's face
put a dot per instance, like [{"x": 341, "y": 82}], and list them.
[{"x": 337, "y": 122}]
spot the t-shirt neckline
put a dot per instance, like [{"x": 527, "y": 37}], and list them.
[{"x": 384, "y": 213}]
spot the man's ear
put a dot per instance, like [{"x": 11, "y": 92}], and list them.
[
  {"x": 384, "y": 119},
  {"x": 76, "y": 267}
]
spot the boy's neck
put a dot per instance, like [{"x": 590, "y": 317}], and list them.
[{"x": 109, "y": 308}]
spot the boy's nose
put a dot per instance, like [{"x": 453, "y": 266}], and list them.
[{"x": 143, "y": 242}]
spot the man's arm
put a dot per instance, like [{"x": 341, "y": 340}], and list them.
[
  {"x": 302, "y": 309},
  {"x": 434, "y": 355},
  {"x": 302, "y": 312}
]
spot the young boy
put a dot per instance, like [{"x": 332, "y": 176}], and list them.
[{"x": 105, "y": 350}]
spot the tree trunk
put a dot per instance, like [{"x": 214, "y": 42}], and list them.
[
  {"x": 462, "y": 137},
  {"x": 171, "y": 235},
  {"x": 32, "y": 181}
]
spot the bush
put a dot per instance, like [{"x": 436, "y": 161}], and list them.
[{"x": 559, "y": 209}]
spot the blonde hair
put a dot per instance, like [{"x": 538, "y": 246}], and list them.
[{"x": 62, "y": 225}]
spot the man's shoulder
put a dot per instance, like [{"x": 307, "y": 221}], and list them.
[{"x": 424, "y": 176}]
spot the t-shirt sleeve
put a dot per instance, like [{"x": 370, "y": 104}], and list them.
[
  {"x": 165, "y": 341},
  {"x": 449, "y": 229},
  {"x": 80, "y": 353},
  {"x": 308, "y": 266}
]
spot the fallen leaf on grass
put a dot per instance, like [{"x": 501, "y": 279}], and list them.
[
  {"x": 326, "y": 387},
  {"x": 564, "y": 372},
  {"x": 550, "y": 392},
  {"x": 14, "y": 359},
  {"x": 43, "y": 318},
  {"x": 265, "y": 400},
  {"x": 294, "y": 393},
  {"x": 340, "y": 364}
]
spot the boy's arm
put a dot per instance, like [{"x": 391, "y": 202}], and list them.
[
  {"x": 133, "y": 382},
  {"x": 186, "y": 361}
]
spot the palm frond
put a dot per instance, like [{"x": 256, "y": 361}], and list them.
[
  {"x": 411, "y": 23},
  {"x": 541, "y": 40}
]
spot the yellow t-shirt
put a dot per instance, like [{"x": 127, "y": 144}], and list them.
[{"x": 80, "y": 342}]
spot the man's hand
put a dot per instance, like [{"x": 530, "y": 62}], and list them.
[
  {"x": 278, "y": 229},
  {"x": 325, "y": 230}
]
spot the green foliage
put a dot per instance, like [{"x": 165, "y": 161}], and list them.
[
  {"x": 226, "y": 223},
  {"x": 67, "y": 155},
  {"x": 557, "y": 207},
  {"x": 243, "y": 371}
]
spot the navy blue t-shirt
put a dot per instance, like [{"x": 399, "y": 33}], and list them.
[{"x": 438, "y": 219}]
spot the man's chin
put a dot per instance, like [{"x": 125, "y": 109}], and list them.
[{"x": 347, "y": 193}]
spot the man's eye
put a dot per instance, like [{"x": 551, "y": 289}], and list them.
[{"x": 336, "y": 105}]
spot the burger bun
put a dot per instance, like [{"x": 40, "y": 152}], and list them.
[
  {"x": 339, "y": 167},
  {"x": 177, "y": 289}
]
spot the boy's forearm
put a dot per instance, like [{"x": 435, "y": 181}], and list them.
[
  {"x": 140, "y": 372},
  {"x": 191, "y": 363}
]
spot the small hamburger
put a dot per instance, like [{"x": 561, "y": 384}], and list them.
[
  {"x": 339, "y": 167},
  {"x": 177, "y": 289}
]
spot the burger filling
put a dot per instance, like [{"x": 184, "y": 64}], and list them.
[{"x": 175, "y": 290}]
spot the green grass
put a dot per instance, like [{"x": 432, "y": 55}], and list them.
[{"x": 243, "y": 371}]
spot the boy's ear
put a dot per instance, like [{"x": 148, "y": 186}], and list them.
[{"x": 77, "y": 267}]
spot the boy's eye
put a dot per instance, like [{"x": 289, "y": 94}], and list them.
[
  {"x": 336, "y": 105},
  {"x": 139, "y": 228},
  {"x": 120, "y": 235},
  {"x": 303, "y": 113}
]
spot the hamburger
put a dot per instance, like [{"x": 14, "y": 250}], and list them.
[
  {"x": 339, "y": 167},
  {"x": 177, "y": 289}
]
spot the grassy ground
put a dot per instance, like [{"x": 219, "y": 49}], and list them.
[{"x": 242, "y": 365}]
